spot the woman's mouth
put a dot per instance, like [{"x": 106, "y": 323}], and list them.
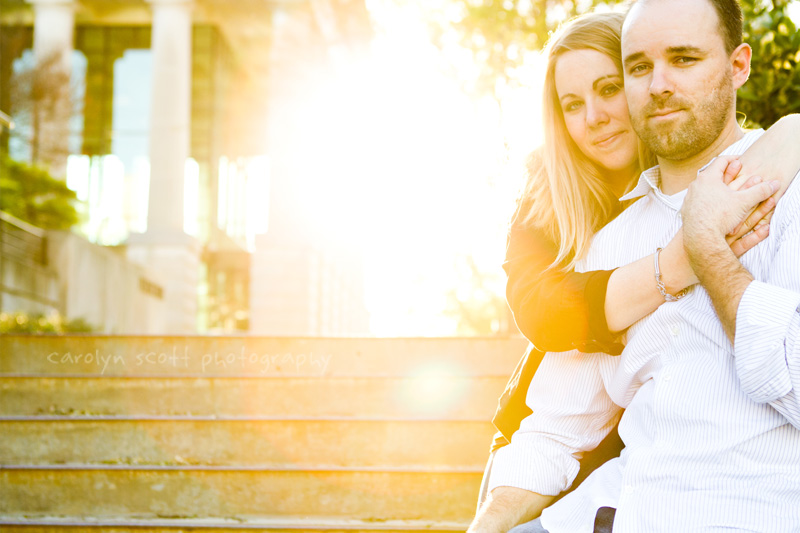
[{"x": 608, "y": 140}]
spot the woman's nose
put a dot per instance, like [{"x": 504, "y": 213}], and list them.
[{"x": 596, "y": 115}]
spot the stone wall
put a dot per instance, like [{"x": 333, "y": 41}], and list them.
[{"x": 101, "y": 285}]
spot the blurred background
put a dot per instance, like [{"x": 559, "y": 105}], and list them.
[{"x": 282, "y": 167}]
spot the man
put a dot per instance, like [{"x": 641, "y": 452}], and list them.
[{"x": 711, "y": 383}]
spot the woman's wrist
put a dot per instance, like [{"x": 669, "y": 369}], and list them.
[
  {"x": 771, "y": 158},
  {"x": 676, "y": 271}
]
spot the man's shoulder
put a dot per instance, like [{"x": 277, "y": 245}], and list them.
[
  {"x": 788, "y": 208},
  {"x": 624, "y": 220},
  {"x": 606, "y": 250},
  {"x": 741, "y": 146}
]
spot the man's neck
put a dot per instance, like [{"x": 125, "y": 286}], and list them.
[{"x": 678, "y": 175}]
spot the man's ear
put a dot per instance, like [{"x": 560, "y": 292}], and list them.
[{"x": 740, "y": 64}]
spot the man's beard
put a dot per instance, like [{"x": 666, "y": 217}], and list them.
[{"x": 692, "y": 134}]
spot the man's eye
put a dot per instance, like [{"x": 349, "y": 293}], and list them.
[
  {"x": 638, "y": 69},
  {"x": 685, "y": 60}
]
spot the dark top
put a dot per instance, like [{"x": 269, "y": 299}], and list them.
[{"x": 557, "y": 311}]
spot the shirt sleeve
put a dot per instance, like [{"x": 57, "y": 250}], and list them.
[
  {"x": 557, "y": 311},
  {"x": 572, "y": 413},
  {"x": 767, "y": 340}
]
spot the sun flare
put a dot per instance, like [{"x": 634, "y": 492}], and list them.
[{"x": 411, "y": 171}]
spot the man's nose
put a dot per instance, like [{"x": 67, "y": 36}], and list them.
[{"x": 660, "y": 83}]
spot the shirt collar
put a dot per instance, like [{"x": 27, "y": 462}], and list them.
[{"x": 650, "y": 179}]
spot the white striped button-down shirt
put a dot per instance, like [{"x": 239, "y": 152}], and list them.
[{"x": 711, "y": 430}]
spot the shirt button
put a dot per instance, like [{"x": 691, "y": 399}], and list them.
[
  {"x": 629, "y": 489},
  {"x": 675, "y": 330},
  {"x": 667, "y": 377},
  {"x": 660, "y": 444}
]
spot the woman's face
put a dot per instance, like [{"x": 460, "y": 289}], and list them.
[{"x": 592, "y": 99}]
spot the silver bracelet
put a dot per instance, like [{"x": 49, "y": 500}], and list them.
[{"x": 660, "y": 284}]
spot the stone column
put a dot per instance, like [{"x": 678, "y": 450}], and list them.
[
  {"x": 295, "y": 285},
  {"x": 170, "y": 113},
  {"x": 54, "y": 31},
  {"x": 165, "y": 248},
  {"x": 284, "y": 268},
  {"x": 53, "y": 43}
]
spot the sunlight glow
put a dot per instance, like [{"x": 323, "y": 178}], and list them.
[
  {"x": 408, "y": 167},
  {"x": 111, "y": 203},
  {"x": 794, "y": 12},
  {"x": 99, "y": 184},
  {"x": 257, "y": 198},
  {"x": 191, "y": 197},
  {"x": 433, "y": 391},
  {"x": 78, "y": 175}
]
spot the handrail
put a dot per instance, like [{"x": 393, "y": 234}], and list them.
[
  {"x": 6, "y": 121},
  {"x": 21, "y": 224}
]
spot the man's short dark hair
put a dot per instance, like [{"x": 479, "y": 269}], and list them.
[
  {"x": 730, "y": 22},
  {"x": 731, "y": 19}
]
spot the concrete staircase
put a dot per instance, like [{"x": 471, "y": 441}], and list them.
[{"x": 123, "y": 433}]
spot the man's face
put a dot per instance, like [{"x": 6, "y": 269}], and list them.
[{"x": 678, "y": 77}]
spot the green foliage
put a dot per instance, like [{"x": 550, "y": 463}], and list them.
[
  {"x": 33, "y": 195},
  {"x": 11, "y": 323},
  {"x": 773, "y": 89},
  {"x": 498, "y": 32},
  {"x": 475, "y": 301}
]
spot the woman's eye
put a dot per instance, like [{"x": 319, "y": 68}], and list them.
[
  {"x": 572, "y": 106},
  {"x": 610, "y": 89}
]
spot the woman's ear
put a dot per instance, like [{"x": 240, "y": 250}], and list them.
[{"x": 740, "y": 64}]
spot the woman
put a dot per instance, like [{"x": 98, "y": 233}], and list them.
[{"x": 590, "y": 157}]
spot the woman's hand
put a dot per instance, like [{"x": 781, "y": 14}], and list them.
[
  {"x": 713, "y": 211},
  {"x": 631, "y": 293},
  {"x": 755, "y": 226},
  {"x": 774, "y": 156},
  {"x": 749, "y": 231}
]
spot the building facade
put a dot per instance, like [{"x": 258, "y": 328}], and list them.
[{"x": 176, "y": 123}]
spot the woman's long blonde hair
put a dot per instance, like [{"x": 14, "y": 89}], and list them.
[{"x": 565, "y": 192}]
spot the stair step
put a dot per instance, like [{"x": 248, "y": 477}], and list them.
[
  {"x": 456, "y": 398},
  {"x": 203, "y": 356},
  {"x": 103, "y": 467},
  {"x": 127, "y": 493},
  {"x": 79, "y": 524},
  {"x": 362, "y": 443},
  {"x": 119, "y": 433}
]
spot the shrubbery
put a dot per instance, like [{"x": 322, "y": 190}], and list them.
[
  {"x": 773, "y": 89},
  {"x": 39, "y": 323},
  {"x": 499, "y": 31},
  {"x": 31, "y": 194}
]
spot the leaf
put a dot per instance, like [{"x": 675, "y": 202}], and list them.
[{"x": 31, "y": 194}]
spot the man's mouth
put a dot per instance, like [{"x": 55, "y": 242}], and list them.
[
  {"x": 609, "y": 139},
  {"x": 665, "y": 113}
]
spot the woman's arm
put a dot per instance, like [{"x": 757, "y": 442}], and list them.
[
  {"x": 557, "y": 311},
  {"x": 774, "y": 156},
  {"x": 560, "y": 311},
  {"x": 632, "y": 292}
]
